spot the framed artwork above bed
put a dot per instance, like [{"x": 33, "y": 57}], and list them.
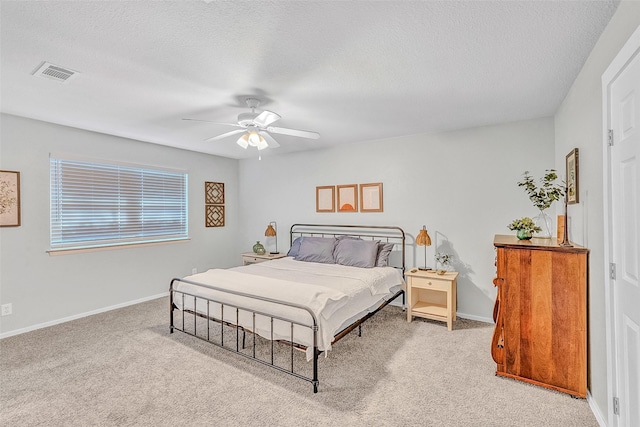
[
  {"x": 371, "y": 197},
  {"x": 348, "y": 198},
  {"x": 326, "y": 198}
]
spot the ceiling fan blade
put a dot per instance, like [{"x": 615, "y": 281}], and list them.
[
  {"x": 217, "y": 123},
  {"x": 272, "y": 142},
  {"x": 265, "y": 118},
  {"x": 294, "y": 132},
  {"x": 224, "y": 135}
]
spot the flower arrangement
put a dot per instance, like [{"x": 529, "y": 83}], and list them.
[
  {"x": 544, "y": 195},
  {"x": 443, "y": 260},
  {"x": 525, "y": 228},
  {"x": 525, "y": 224}
]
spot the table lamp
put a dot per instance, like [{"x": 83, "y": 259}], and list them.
[
  {"x": 423, "y": 239},
  {"x": 271, "y": 231}
]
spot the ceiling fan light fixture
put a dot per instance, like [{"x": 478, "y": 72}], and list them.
[
  {"x": 254, "y": 138},
  {"x": 262, "y": 144},
  {"x": 243, "y": 141}
]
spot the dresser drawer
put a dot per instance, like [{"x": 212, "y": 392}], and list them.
[{"x": 430, "y": 283}]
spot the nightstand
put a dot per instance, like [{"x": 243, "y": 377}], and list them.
[
  {"x": 431, "y": 295},
  {"x": 253, "y": 258}
]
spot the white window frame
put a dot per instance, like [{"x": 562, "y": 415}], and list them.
[{"x": 105, "y": 204}]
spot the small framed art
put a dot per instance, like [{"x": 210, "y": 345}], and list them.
[
  {"x": 348, "y": 198},
  {"x": 214, "y": 216},
  {"x": 326, "y": 198},
  {"x": 573, "y": 177},
  {"x": 9, "y": 199},
  {"x": 213, "y": 193},
  {"x": 371, "y": 197}
]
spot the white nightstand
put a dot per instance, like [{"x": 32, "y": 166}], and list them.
[
  {"x": 431, "y": 295},
  {"x": 253, "y": 258}
]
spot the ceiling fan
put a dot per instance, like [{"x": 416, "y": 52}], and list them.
[{"x": 256, "y": 128}]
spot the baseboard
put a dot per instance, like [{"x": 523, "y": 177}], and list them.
[
  {"x": 600, "y": 417},
  {"x": 81, "y": 315},
  {"x": 474, "y": 317},
  {"x": 398, "y": 302}
]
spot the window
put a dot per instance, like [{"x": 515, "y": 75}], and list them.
[{"x": 97, "y": 204}]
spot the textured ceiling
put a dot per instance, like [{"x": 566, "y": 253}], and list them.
[{"x": 352, "y": 71}]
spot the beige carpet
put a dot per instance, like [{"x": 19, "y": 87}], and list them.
[{"x": 124, "y": 368}]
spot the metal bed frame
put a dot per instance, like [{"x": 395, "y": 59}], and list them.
[{"x": 387, "y": 234}]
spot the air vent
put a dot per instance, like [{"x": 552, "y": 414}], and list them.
[{"x": 55, "y": 72}]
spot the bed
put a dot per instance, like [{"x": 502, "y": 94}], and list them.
[{"x": 333, "y": 279}]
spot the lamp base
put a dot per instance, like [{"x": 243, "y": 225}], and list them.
[
  {"x": 274, "y": 253},
  {"x": 425, "y": 269}
]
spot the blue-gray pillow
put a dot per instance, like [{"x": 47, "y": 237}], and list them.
[
  {"x": 384, "y": 250},
  {"x": 356, "y": 252},
  {"x": 295, "y": 247},
  {"x": 317, "y": 249}
]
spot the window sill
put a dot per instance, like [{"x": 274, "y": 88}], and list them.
[{"x": 70, "y": 251}]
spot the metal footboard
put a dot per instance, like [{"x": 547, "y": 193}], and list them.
[{"x": 185, "y": 296}]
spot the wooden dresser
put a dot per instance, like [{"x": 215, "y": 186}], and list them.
[{"x": 541, "y": 313}]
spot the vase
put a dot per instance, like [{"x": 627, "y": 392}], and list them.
[
  {"x": 258, "y": 248},
  {"x": 523, "y": 234},
  {"x": 544, "y": 222}
]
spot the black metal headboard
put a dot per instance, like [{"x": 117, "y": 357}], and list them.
[{"x": 387, "y": 234}]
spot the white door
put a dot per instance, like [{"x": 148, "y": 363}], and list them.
[{"x": 624, "y": 217}]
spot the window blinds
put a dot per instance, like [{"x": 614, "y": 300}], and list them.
[{"x": 96, "y": 204}]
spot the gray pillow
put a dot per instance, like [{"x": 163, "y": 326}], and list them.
[
  {"x": 384, "y": 250},
  {"x": 317, "y": 249},
  {"x": 356, "y": 253},
  {"x": 295, "y": 247}
]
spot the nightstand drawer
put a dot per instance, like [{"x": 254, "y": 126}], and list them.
[{"x": 430, "y": 283}]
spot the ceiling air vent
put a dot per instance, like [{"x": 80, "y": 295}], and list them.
[{"x": 55, "y": 72}]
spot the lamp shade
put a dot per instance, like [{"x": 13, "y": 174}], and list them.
[
  {"x": 423, "y": 238},
  {"x": 270, "y": 231},
  {"x": 243, "y": 141}
]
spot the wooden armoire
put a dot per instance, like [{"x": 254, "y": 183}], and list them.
[{"x": 541, "y": 313}]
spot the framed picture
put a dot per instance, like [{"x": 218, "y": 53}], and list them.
[
  {"x": 214, "y": 216},
  {"x": 213, "y": 193},
  {"x": 348, "y": 198},
  {"x": 573, "y": 189},
  {"x": 9, "y": 199},
  {"x": 371, "y": 197},
  {"x": 326, "y": 198}
]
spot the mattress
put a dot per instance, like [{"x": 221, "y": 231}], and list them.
[{"x": 335, "y": 294}]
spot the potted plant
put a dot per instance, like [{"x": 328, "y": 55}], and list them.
[
  {"x": 525, "y": 227},
  {"x": 444, "y": 260},
  {"x": 542, "y": 197}
]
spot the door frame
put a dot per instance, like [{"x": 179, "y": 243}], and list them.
[{"x": 613, "y": 70}]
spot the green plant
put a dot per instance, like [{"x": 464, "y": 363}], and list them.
[
  {"x": 544, "y": 195},
  {"x": 526, "y": 224}
]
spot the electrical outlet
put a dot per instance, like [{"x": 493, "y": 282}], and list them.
[
  {"x": 194, "y": 270},
  {"x": 7, "y": 309}
]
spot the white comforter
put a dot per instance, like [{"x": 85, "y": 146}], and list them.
[{"x": 334, "y": 293}]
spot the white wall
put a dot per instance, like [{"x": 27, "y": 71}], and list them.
[
  {"x": 44, "y": 288},
  {"x": 462, "y": 185},
  {"x": 579, "y": 124}
]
